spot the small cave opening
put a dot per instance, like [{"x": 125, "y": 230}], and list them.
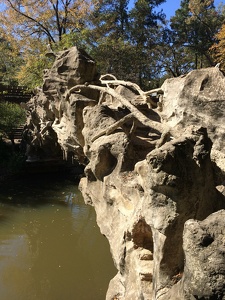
[
  {"x": 142, "y": 235},
  {"x": 105, "y": 162},
  {"x": 207, "y": 240}
]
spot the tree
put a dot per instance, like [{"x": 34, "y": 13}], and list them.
[
  {"x": 29, "y": 27},
  {"x": 49, "y": 19},
  {"x": 123, "y": 41},
  {"x": 30, "y": 73},
  {"x": 107, "y": 36},
  {"x": 195, "y": 25},
  {"x": 110, "y": 18},
  {"x": 218, "y": 49},
  {"x": 10, "y": 62},
  {"x": 144, "y": 32},
  {"x": 173, "y": 59}
]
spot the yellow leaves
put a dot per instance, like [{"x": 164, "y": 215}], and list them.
[
  {"x": 44, "y": 18},
  {"x": 218, "y": 49},
  {"x": 79, "y": 10},
  {"x": 198, "y": 9},
  {"x": 29, "y": 25},
  {"x": 221, "y": 34},
  {"x": 31, "y": 73},
  {"x": 199, "y": 6}
]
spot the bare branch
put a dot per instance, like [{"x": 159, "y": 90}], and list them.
[{"x": 56, "y": 9}]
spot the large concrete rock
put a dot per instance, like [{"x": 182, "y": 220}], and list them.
[
  {"x": 159, "y": 200},
  {"x": 204, "y": 247},
  {"x": 197, "y": 98},
  {"x": 50, "y": 108},
  {"x": 71, "y": 67},
  {"x": 143, "y": 211}
]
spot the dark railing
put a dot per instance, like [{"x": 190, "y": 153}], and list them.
[
  {"x": 15, "y": 94},
  {"x": 17, "y": 133}
]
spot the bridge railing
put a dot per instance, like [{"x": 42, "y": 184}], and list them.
[{"x": 15, "y": 94}]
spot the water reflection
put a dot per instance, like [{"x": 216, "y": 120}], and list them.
[{"x": 50, "y": 245}]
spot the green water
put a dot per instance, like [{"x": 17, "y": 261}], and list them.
[{"x": 50, "y": 245}]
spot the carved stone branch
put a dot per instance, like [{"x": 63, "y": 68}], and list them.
[
  {"x": 146, "y": 96},
  {"x": 126, "y": 83},
  {"x": 115, "y": 81},
  {"x": 136, "y": 113},
  {"x": 158, "y": 91},
  {"x": 113, "y": 127},
  {"x": 108, "y": 75}
]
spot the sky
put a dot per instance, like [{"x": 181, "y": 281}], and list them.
[{"x": 170, "y": 6}]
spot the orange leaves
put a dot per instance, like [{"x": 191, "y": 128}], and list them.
[
  {"x": 218, "y": 49},
  {"x": 78, "y": 11},
  {"x": 44, "y": 18},
  {"x": 29, "y": 25},
  {"x": 198, "y": 6}
]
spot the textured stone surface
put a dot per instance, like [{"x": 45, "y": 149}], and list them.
[
  {"x": 204, "y": 247},
  {"x": 143, "y": 214},
  {"x": 49, "y": 108},
  {"x": 197, "y": 98},
  {"x": 159, "y": 199}
]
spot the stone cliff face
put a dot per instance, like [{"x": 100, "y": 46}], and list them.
[{"x": 154, "y": 171}]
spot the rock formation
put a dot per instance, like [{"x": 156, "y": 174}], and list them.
[{"x": 154, "y": 172}]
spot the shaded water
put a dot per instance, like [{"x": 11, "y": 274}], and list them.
[{"x": 50, "y": 245}]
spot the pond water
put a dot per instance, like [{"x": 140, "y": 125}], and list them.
[{"x": 50, "y": 245}]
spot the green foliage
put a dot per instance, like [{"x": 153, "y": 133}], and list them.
[
  {"x": 195, "y": 25},
  {"x": 31, "y": 72},
  {"x": 11, "y": 116},
  {"x": 108, "y": 41},
  {"x": 135, "y": 44},
  {"x": 218, "y": 49},
  {"x": 124, "y": 41},
  {"x": 173, "y": 59},
  {"x": 144, "y": 33},
  {"x": 116, "y": 57},
  {"x": 78, "y": 38},
  {"x": 10, "y": 62},
  {"x": 110, "y": 18}
]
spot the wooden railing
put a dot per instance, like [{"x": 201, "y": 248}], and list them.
[
  {"x": 17, "y": 132},
  {"x": 15, "y": 94}
]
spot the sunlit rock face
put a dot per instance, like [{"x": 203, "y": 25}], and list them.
[
  {"x": 142, "y": 212},
  {"x": 158, "y": 196},
  {"x": 55, "y": 119},
  {"x": 198, "y": 98}
]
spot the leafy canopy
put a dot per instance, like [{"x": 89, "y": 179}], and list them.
[
  {"x": 218, "y": 49},
  {"x": 29, "y": 26},
  {"x": 195, "y": 24},
  {"x": 134, "y": 43}
]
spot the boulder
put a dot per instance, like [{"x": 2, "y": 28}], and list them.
[
  {"x": 154, "y": 172},
  {"x": 197, "y": 98},
  {"x": 49, "y": 108}
]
